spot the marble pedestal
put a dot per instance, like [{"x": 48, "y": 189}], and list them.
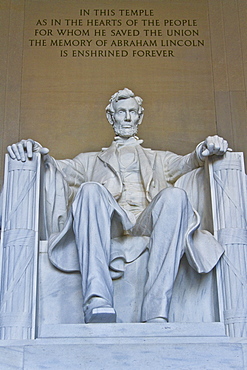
[{"x": 127, "y": 346}]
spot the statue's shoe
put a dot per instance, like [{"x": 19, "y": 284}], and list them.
[
  {"x": 157, "y": 320},
  {"x": 100, "y": 315}
]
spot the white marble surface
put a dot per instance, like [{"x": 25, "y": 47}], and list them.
[
  {"x": 134, "y": 331},
  {"x": 129, "y": 353},
  {"x": 135, "y": 356},
  {"x": 229, "y": 199},
  {"x": 11, "y": 356},
  {"x": 19, "y": 248},
  {"x": 133, "y": 176},
  {"x": 62, "y": 291}
]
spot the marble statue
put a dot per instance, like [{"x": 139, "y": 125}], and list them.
[{"x": 124, "y": 190}]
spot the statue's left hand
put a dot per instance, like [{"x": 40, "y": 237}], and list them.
[{"x": 213, "y": 145}]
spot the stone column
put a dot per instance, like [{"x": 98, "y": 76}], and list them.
[
  {"x": 19, "y": 248},
  {"x": 229, "y": 202}
]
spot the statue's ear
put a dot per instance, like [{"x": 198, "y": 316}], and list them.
[
  {"x": 141, "y": 118},
  {"x": 109, "y": 117}
]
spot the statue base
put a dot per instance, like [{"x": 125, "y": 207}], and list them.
[{"x": 126, "y": 346}]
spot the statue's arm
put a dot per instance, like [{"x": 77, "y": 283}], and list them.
[
  {"x": 73, "y": 172},
  {"x": 177, "y": 165}
]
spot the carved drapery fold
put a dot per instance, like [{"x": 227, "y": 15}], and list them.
[
  {"x": 229, "y": 201},
  {"x": 19, "y": 248}
]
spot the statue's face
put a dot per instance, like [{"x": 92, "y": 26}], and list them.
[{"x": 126, "y": 117}]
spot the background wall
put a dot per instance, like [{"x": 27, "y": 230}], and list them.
[{"x": 186, "y": 59}]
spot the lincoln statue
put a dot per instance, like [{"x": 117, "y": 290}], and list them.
[{"x": 125, "y": 190}]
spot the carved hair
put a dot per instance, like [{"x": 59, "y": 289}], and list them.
[{"x": 120, "y": 95}]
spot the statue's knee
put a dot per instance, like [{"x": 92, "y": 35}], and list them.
[
  {"x": 90, "y": 189},
  {"x": 173, "y": 195},
  {"x": 177, "y": 192},
  {"x": 89, "y": 196}
]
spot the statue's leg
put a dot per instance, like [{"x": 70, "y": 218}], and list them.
[
  {"x": 92, "y": 212},
  {"x": 166, "y": 220}
]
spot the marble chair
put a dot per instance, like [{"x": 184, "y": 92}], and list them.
[{"x": 34, "y": 294}]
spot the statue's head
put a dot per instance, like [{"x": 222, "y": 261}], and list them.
[{"x": 125, "y": 113}]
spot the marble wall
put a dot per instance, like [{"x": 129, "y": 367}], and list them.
[{"x": 52, "y": 93}]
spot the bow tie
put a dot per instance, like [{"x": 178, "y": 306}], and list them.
[{"x": 133, "y": 140}]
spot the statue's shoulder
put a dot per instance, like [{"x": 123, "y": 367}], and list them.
[
  {"x": 92, "y": 156},
  {"x": 161, "y": 157},
  {"x": 86, "y": 158},
  {"x": 86, "y": 155}
]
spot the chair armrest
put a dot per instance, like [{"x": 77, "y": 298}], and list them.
[
  {"x": 19, "y": 248},
  {"x": 229, "y": 202}
]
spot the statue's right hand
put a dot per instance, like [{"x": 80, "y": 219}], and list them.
[{"x": 29, "y": 146}]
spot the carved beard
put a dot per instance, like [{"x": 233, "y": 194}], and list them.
[{"x": 125, "y": 132}]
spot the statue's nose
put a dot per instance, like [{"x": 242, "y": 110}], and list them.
[{"x": 127, "y": 116}]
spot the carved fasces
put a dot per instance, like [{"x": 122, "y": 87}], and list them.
[
  {"x": 19, "y": 248},
  {"x": 229, "y": 200}
]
